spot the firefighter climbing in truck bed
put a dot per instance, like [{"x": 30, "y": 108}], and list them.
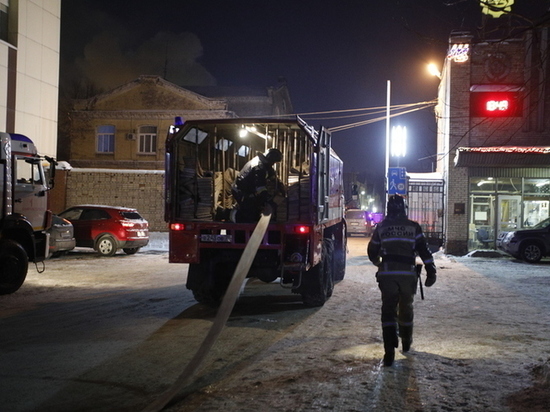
[
  {"x": 257, "y": 185},
  {"x": 393, "y": 248}
]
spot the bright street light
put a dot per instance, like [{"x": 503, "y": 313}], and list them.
[
  {"x": 434, "y": 71},
  {"x": 399, "y": 141}
]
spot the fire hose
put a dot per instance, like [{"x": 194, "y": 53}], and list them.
[{"x": 224, "y": 311}]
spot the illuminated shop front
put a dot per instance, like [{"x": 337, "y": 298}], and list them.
[{"x": 504, "y": 197}]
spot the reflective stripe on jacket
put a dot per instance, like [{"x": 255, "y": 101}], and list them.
[{"x": 397, "y": 241}]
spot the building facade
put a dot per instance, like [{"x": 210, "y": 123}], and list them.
[
  {"x": 115, "y": 142},
  {"x": 29, "y": 70},
  {"x": 493, "y": 117},
  {"x": 126, "y": 128}
]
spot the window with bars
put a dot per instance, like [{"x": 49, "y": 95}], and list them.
[
  {"x": 106, "y": 138},
  {"x": 148, "y": 139}
]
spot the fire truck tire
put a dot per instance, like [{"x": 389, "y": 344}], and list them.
[
  {"x": 106, "y": 245},
  {"x": 339, "y": 256},
  {"x": 14, "y": 263},
  {"x": 208, "y": 281},
  {"x": 317, "y": 282},
  {"x": 329, "y": 267}
]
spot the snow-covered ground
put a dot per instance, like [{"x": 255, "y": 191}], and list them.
[{"x": 111, "y": 334}]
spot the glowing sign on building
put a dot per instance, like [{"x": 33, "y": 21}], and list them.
[
  {"x": 496, "y": 8},
  {"x": 497, "y": 105},
  {"x": 459, "y": 52}
]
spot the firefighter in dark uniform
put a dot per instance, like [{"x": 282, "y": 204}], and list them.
[
  {"x": 394, "y": 245},
  {"x": 256, "y": 185}
]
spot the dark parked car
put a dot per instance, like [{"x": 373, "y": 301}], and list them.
[
  {"x": 108, "y": 228},
  {"x": 61, "y": 236},
  {"x": 527, "y": 244}
]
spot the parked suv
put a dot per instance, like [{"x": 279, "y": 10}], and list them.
[
  {"x": 108, "y": 228},
  {"x": 527, "y": 244}
]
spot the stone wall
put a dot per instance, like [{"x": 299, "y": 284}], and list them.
[{"x": 140, "y": 189}]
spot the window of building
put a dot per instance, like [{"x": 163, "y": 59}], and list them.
[
  {"x": 499, "y": 205},
  {"x": 4, "y": 20},
  {"x": 106, "y": 139},
  {"x": 148, "y": 139}
]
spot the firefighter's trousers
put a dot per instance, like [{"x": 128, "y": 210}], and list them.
[{"x": 397, "y": 299}]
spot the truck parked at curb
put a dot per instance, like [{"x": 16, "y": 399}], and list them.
[
  {"x": 25, "y": 217},
  {"x": 305, "y": 243}
]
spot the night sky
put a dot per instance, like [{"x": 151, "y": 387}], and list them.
[{"x": 334, "y": 55}]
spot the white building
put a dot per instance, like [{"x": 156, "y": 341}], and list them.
[{"x": 29, "y": 70}]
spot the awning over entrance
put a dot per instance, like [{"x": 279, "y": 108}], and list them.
[{"x": 503, "y": 156}]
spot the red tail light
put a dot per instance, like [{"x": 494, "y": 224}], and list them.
[
  {"x": 177, "y": 226},
  {"x": 302, "y": 230}
]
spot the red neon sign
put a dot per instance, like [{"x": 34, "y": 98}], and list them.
[{"x": 495, "y": 104}]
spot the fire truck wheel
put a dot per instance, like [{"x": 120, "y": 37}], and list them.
[
  {"x": 208, "y": 281},
  {"x": 106, "y": 245},
  {"x": 329, "y": 267},
  {"x": 316, "y": 282},
  {"x": 339, "y": 256},
  {"x": 14, "y": 263}
]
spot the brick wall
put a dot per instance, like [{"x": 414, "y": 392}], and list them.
[
  {"x": 140, "y": 189},
  {"x": 457, "y": 178}
]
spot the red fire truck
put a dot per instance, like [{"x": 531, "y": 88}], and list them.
[{"x": 305, "y": 243}]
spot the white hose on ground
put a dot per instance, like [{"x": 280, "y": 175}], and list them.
[{"x": 224, "y": 311}]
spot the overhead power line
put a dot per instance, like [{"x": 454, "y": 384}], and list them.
[{"x": 396, "y": 110}]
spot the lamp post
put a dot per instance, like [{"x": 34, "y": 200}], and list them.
[
  {"x": 387, "y": 163},
  {"x": 398, "y": 142}
]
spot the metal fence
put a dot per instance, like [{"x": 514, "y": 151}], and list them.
[{"x": 425, "y": 200}]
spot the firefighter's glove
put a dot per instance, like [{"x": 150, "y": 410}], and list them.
[{"x": 431, "y": 275}]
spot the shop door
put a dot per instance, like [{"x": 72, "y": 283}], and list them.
[{"x": 509, "y": 213}]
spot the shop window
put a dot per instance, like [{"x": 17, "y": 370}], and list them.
[
  {"x": 537, "y": 186},
  {"x": 499, "y": 205},
  {"x": 534, "y": 212},
  {"x": 509, "y": 185},
  {"x": 482, "y": 184}
]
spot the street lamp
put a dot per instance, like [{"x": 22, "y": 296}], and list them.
[
  {"x": 399, "y": 141},
  {"x": 434, "y": 71}
]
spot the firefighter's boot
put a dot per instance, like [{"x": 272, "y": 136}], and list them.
[
  {"x": 391, "y": 342},
  {"x": 406, "y": 334}
]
